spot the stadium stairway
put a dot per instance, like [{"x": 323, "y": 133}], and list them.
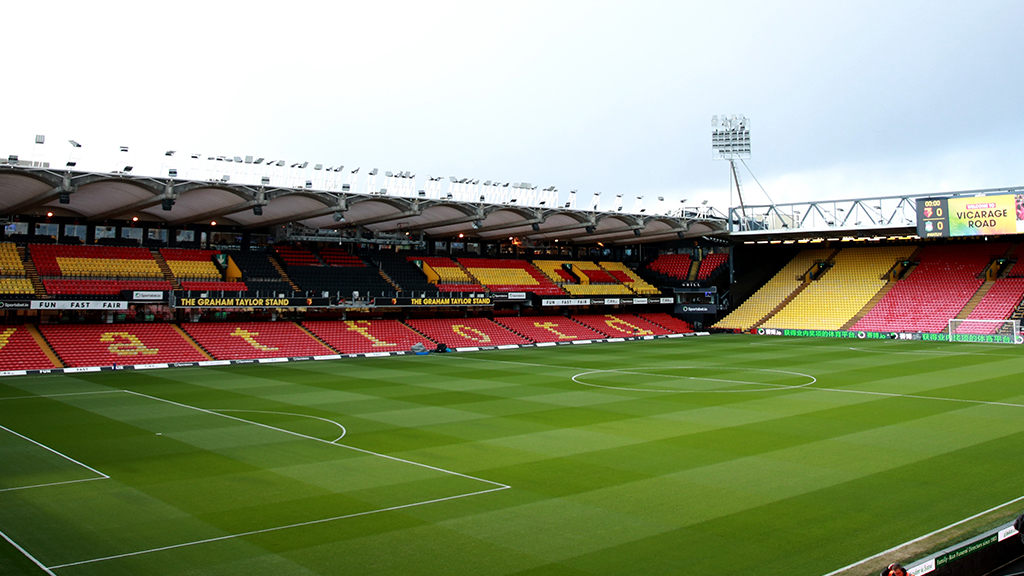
[
  {"x": 284, "y": 275},
  {"x": 165, "y": 269},
  {"x": 23, "y": 348},
  {"x": 796, "y": 292},
  {"x": 32, "y": 274},
  {"x": 894, "y": 274},
  {"x": 976, "y": 299},
  {"x": 245, "y": 340}
]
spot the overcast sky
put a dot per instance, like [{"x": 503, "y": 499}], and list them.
[{"x": 846, "y": 99}]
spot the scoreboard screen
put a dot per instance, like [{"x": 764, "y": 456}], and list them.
[{"x": 970, "y": 216}]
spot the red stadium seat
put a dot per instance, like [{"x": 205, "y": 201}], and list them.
[
  {"x": 241, "y": 340},
  {"x": 466, "y": 332},
  {"x": 366, "y": 336},
  {"x": 107, "y": 344}
]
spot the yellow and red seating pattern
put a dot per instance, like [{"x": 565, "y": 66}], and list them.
[
  {"x": 623, "y": 274},
  {"x": 671, "y": 265},
  {"x": 20, "y": 351},
  {"x": 215, "y": 286},
  {"x": 549, "y": 328},
  {"x": 94, "y": 261},
  {"x": 191, "y": 264},
  {"x": 242, "y": 340},
  {"x": 668, "y": 322},
  {"x": 447, "y": 270},
  {"x": 366, "y": 336},
  {"x": 512, "y": 275},
  {"x": 16, "y": 286},
  {"x": 465, "y": 332},
  {"x": 67, "y": 286},
  {"x": 124, "y": 344},
  {"x": 620, "y": 325},
  {"x": 10, "y": 260}
]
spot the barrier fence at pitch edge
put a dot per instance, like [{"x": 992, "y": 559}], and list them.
[
  {"x": 923, "y": 336},
  {"x": 958, "y": 552},
  {"x": 82, "y": 369}
]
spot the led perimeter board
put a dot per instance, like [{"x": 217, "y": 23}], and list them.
[{"x": 970, "y": 216}]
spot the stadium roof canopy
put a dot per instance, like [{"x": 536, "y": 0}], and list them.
[{"x": 96, "y": 197}]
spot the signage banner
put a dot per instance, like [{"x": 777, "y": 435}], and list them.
[
  {"x": 78, "y": 305},
  {"x": 667, "y": 300},
  {"x": 970, "y": 216},
  {"x": 9, "y": 304},
  {"x": 147, "y": 295},
  {"x": 444, "y": 301},
  {"x": 565, "y": 302},
  {"x": 696, "y": 308},
  {"x": 230, "y": 302}
]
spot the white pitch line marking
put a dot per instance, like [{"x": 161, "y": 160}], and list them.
[
  {"x": 269, "y": 427},
  {"x": 928, "y": 535},
  {"x": 51, "y": 484},
  {"x": 276, "y": 528},
  {"x": 328, "y": 420},
  {"x": 64, "y": 456},
  {"x": 27, "y": 555}
]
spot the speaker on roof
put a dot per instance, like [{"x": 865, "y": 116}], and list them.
[{"x": 535, "y": 226}]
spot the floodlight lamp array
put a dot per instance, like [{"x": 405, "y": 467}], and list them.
[{"x": 730, "y": 137}]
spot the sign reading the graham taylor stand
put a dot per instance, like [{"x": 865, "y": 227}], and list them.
[
  {"x": 444, "y": 301},
  {"x": 230, "y": 302}
]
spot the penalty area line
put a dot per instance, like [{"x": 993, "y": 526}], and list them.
[
  {"x": 27, "y": 555},
  {"x": 266, "y": 530}
]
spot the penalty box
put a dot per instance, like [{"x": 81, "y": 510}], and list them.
[{"x": 183, "y": 476}]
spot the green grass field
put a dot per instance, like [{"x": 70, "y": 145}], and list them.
[{"x": 727, "y": 454}]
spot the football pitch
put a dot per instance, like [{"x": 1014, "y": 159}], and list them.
[{"x": 727, "y": 454}]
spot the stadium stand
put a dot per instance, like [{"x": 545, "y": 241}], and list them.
[
  {"x": 340, "y": 257},
  {"x": 68, "y": 288},
  {"x": 446, "y": 274},
  {"x": 110, "y": 262},
  {"x": 10, "y": 261},
  {"x": 259, "y": 274},
  {"x": 365, "y": 280},
  {"x": 554, "y": 270},
  {"x": 512, "y": 275},
  {"x": 998, "y": 304},
  {"x": 465, "y": 332},
  {"x": 833, "y": 299},
  {"x": 668, "y": 322},
  {"x": 675, "y": 266},
  {"x": 710, "y": 264},
  {"x": 240, "y": 340},
  {"x": 296, "y": 256},
  {"x": 124, "y": 344},
  {"x": 619, "y": 325},
  {"x": 19, "y": 350},
  {"x": 549, "y": 328},
  {"x": 630, "y": 279},
  {"x": 366, "y": 336},
  {"x": 774, "y": 292},
  {"x": 187, "y": 264},
  {"x": 935, "y": 291}
]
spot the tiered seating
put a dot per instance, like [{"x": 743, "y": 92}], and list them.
[
  {"x": 998, "y": 304},
  {"x": 319, "y": 279},
  {"x": 10, "y": 261},
  {"x": 241, "y": 340},
  {"x": 63, "y": 287},
  {"x": 553, "y": 269},
  {"x": 669, "y": 322},
  {"x": 510, "y": 276},
  {"x": 934, "y": 292},
  {"x": 188, "y": 264},
  {"x": 672, "y": 265},
  {"x": 107, "y": 344},
  {"x": 466, "y": 332},
  {"x": 619, "y": 325},
  {"x": 710, "y": 263},
  {"x": 340, "y": 257},
  {"x": 773, "y": 292},
  {"x": 20, "y": 351},
  {"x": 832, "y": 300},
  {"x": 259, "y": 274},
  {"x": 112, "y": 262},
  {"x": 297, "y": 256},
  {"x": 365, "y": 336},
  {"x": 451, "y": 277},
  {"x": 549, "y": 328},
  {"x": 401, "y": 271},
  {"x": 623, "y": 274},
  {"x": 215, "y": 286},
  {"x": 16, "y": 286}
]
